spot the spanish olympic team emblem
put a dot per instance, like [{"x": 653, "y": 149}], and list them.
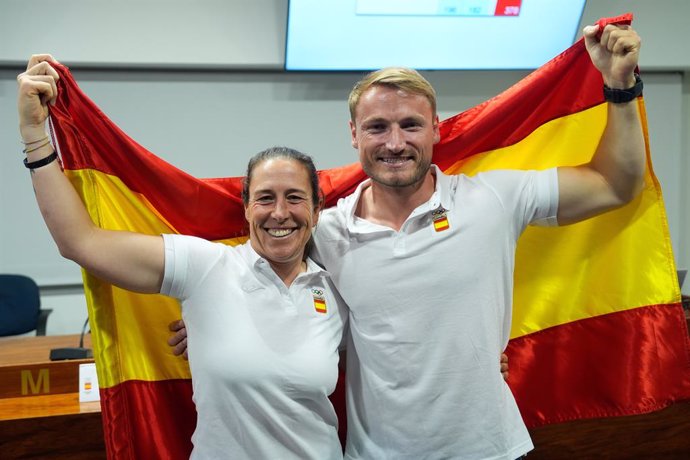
[
  {"x": 440, "y": 218},
  {"x": 319, "y": 300}
]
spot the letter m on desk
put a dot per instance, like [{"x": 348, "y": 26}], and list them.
[{"x": 29, "y": 383}]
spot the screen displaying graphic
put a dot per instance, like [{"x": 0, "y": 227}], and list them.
[
  {"x": 440, "y": 7},
  {"x": 428, "y": 34}
]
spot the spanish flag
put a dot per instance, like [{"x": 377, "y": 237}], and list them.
[{"x": 598, "y": 329}]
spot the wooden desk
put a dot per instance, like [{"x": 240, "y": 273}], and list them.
[
  {"x": 45, "y": 420},
  {"x": 31, "y": 349},
  {"x": 664, "y": 434},
  {"x": 26, "y": 369}
]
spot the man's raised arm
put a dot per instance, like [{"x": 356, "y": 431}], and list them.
[{"x": 615, "y": 175}]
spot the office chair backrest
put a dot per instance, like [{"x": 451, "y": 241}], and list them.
[{"x": 20, "y": 306}]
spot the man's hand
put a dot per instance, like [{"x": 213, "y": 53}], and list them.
[
  {"x": 179, "y": 340},
  {"x": 504, "y": 366},
  {"x": 615, "y": 53}
]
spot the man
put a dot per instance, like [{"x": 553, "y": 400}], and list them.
[{"x": 430, "y": 310}]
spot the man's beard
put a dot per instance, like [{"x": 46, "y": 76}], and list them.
[{"x": 398, "y": 181}]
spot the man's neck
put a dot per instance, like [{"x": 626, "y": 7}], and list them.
[{"x": 391, "y": 206}]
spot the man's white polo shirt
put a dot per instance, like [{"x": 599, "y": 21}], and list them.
[{"x": 430, "y": 313}]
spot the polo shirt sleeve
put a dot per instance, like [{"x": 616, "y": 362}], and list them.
[
  {"x": 533, "y": 197},
  {"x": 546, "y": 198},
  {"x": 187, "y": 261},
  {"x": 527, "y": 197},
  {"x": 176, "y": 260}
]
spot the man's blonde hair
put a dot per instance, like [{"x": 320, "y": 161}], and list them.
[{"x": 408, "y": 80}]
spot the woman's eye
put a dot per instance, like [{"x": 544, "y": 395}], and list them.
[{"x": 295, "y": 198}]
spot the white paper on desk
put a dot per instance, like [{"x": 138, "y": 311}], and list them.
[{"x": 88, "y": 383}]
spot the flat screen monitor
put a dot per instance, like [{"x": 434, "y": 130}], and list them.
[{"x": 340, "y": 35}]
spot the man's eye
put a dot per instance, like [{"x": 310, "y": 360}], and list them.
[
  {"x": 411, "y": 126},
  {"x": 264, "y": 199},
  {"x": 295, "y": 198}
]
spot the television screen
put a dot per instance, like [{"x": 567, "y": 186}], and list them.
[{"x": 428, "y": 34}]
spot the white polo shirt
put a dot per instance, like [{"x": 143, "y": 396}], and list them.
[
  {"x": 430, "y": 313},
  {"x": 263, "y": 357}
]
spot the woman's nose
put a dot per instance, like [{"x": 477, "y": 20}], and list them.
[{"x": 280, "y": 210}]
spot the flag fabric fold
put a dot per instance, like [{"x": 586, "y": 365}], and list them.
[{"x": 598, "y": 329}]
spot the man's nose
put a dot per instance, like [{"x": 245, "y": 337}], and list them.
[{"x": 396, "y": 140}]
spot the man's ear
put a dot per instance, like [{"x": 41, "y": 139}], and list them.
[
  {"x": 353, "y": 133},
  {"x": 437, "y": 131}
]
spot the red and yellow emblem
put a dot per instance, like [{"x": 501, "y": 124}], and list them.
[
  {"x": 440, "y": 218},
  {"x": 319, "y": 300}
]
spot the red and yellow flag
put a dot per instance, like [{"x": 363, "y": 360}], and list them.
[{"x": 598, "y": 329}]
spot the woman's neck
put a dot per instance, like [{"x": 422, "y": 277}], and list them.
[{"x": 287, "y": 272}]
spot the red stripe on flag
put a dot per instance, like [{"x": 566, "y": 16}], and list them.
[
  {"x": 213, "y": 207},
  {"x": 156, "y": 419},
  {"x": 639, "y": 368},
  {"x": 511, "y": 116},
  {"x": 148, "y": 419},
  {"x": 544, "y": 95}
]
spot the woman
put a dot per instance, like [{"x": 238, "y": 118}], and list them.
[{"x": 263, "y": 320}]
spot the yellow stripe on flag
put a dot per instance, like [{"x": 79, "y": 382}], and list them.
[
  {"x": 320, "y": 305},
  {"x": 133, "y": 328},
  {"x": 441, "y": 224},
  {"x": 549, "y": 262}
]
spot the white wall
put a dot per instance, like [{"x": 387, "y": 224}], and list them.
[
  {"x": 241, "y": 33},
  {"x": 134, "y": 33},
  {"x": 69, "y": 312},
  {"x": 660, "y": 23},
  {"x": 209, "y": 121}
]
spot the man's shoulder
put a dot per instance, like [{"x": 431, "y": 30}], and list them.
[
  {"x": 333, "y": 219},
  {"x": 508, "y": 179}
]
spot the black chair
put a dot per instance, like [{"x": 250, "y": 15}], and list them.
[{"x": 20, "y": 306}]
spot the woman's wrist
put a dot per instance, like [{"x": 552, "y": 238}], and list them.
[
  {"x": 31, "y": 134},
  {"x": 38, "y": 149},
  {"x": 36, "y": 142},
  {"x": 41, "y": 155}
]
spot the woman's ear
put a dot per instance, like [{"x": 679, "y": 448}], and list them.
[{"x": 318, "y": 208}]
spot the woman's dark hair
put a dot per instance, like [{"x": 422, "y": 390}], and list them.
[{"x": 287, "y": 153}]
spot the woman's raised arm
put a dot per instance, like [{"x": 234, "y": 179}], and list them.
[{"x": 129, "y": 260}]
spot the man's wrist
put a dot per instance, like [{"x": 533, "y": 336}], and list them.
[
  {"x": 624, "y": 83},
  {"x": 625, "y": 95}
]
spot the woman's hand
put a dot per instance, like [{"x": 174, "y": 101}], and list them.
[{"x": 37, "y": 89}]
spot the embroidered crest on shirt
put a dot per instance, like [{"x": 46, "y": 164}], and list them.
[
  {"x": 319, "y": 300},
  {"x": 440, "y": 218}
]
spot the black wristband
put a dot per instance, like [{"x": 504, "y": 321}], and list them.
[
  {"x": 42, "y": 162},
  {"x": 621, "y": 96}
]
